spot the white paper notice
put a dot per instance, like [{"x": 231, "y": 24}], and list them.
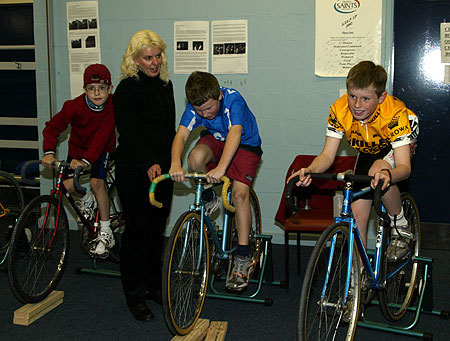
[
  {"x": 191, "y": 39},
  {"x": 445, "y": 43},
  {"x": 447, "y": 74},
  {"x": 347, "y": 32},
  {"x": 83, "y": 36},
  {"x": 230, "y": 46}
]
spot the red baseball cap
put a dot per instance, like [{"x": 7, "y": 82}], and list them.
[{"x": 97, "y": 73}]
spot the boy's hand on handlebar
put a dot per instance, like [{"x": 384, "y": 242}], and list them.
[
  {"x": 214, "y": 175},
  {"x": 177, "y": 173},
  {"x": 75, "y": 163},
  {"x": 153, "y": 172},
  {"x": 380, "y": 176},
  {"x": 304, "y": 181},
  {"x": 48, "y": 159}
]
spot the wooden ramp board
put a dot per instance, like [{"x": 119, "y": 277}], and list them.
[
  {"x": 217, "y": 331},
  {"x": 32, "y": 311}
]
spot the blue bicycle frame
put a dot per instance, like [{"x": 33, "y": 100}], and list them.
[
  {"x": 354, "y": 236},
  {"x": 198, "y": 206}
]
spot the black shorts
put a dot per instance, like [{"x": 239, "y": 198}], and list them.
[
  {"x": 98, "y": 168},
  {"x": 363, "y": 163}
]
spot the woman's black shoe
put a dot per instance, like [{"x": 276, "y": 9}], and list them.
[
  {"x": 141, "y": 312},
  {"x": 155, "y": 295}
]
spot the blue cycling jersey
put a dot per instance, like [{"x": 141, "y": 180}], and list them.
[{"x": 233, "y": 111}]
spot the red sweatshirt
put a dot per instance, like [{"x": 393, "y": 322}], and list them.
[{"x": 92, "y": 133}]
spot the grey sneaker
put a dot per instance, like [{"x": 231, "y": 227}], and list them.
[
  {"x": 399, "y": 245},
  {"x": 242, "y": 271},
  {"x": 212, "y": 205},
  {"x": 100, "y": 246}
]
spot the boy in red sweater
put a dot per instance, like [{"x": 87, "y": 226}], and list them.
[{"x": 92, "y": 139}]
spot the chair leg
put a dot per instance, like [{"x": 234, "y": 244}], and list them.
[
  {"x": 298, "y": 253},
  {"x": 286, "y": 259}
]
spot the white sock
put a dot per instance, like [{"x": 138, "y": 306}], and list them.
[
  {"x": 105, "y": 226},
  {"x": 401, "y": 220}
]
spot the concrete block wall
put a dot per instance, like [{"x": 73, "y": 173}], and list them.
[{"x": 290, "y": 103}]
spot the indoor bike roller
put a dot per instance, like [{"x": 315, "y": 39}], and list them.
[
  {"x": 333, "y": 290},
  {"x": 199, "y": 252},
  {"x": 40, "y": 239}
]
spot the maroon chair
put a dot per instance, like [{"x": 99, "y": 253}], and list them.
[{"x": 318, "y": 214}]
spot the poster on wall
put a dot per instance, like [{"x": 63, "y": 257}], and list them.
[
  {"x": 83, "y": 37},
  {"x": 229, "y": 46},
  {"x": 347, "y": 32},
  {"x": 191, "y": 46}
]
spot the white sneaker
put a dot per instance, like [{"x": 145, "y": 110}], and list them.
[
  {"x": 212, "y": 205},
  {"x": 87, "y": 205},
  {"x": 101, "y": 245},
  {"x": 399, "y": 245}
]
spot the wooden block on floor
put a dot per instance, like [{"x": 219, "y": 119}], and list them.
[
  {"x": 197, "y": 333},
  {"x": 32, "y": 311},
  {"x": 217, "y": 331}
]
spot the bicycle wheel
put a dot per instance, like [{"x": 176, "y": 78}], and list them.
[
  {"x": 11, "y": 204},
  {"x": 401, "y": 276},
  {"x": 324, "y": 314},
  {"x": 117, "y": 222},
  {"x": 185, "y": 274},
  {"x": 255, "y": 229},
  {"x": 39, "y": 250}
]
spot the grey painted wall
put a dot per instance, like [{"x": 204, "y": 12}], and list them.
[{"x": 290, "y": 103}]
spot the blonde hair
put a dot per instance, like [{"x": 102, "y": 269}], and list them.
[{"x": 141, "y": 40}]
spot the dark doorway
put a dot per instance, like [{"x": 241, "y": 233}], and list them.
[{"x": 419, "y": 82}]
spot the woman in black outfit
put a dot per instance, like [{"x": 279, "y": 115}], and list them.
[{"x": 144, "y": 110}]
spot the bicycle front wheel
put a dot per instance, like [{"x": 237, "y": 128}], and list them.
[
  {"x": 11, "y": 204},
  {"x": 401, "y": 276},
  {"x": 185, "y": 273},
  {"x": 39, "y": 250},
  {"x": 327, "y": 311}
]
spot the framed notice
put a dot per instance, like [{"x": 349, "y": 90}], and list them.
[
  {"x": 83, "y": 37},
  {"x": 347, "y": 32}
]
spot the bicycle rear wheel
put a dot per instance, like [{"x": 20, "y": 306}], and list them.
[
  {"x": 255, "y": 229},
  {"x": 117, "y": 222},
  {"x": 323, "y": 313},
  {"x": 12, "y": 203},
  {"x": 401, "y": 276},
  {"x": 39, "y": 250},
  {"x": 185, "y": 274}
]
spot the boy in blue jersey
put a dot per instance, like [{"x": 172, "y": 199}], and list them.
[{"x": 232, "y": 142}]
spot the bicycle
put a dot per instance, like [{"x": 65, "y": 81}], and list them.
[
  {"x": 40, "y": 239},
  {"x": 11, "y": 204},
  {"x": 196, "y": 245},
  {"x": 332, "y": 288}
]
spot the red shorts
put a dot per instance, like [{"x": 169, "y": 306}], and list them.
[{"x": 243, "y": 165}]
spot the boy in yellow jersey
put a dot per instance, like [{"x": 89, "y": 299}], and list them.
[{"x": 385, "y": 133}]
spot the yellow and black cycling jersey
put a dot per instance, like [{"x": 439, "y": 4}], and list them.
[{"x": 388, "y": 126}]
